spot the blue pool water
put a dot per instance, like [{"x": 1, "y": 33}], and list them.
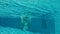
[{"x": 44, "y": 16}]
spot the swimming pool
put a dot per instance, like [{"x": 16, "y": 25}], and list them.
[{"x": 28, "y": 17}]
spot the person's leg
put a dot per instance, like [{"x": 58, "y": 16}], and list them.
[{"x": 25, "y": 22}]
